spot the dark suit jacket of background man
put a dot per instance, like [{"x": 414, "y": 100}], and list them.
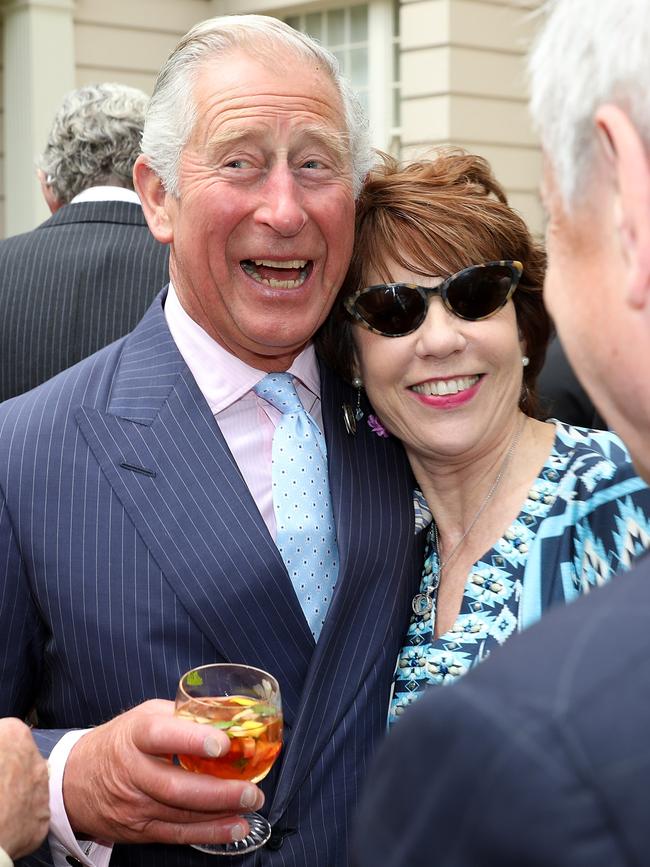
[
  {"x": 538, "y": 758},
  {"x": 78, "y": 281},
  {"x": 131, "y": 550},
  {"x": 561, "y": 393}
]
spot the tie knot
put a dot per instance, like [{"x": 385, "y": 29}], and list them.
[{"x": 278, "y": 389}]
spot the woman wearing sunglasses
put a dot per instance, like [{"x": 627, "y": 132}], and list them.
[{"x": 441, "y": 320}]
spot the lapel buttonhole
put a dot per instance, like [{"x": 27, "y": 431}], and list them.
[{"x": 136, "y": 469}]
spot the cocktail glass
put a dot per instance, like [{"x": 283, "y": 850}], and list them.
[{"x": 244, "y": 702}]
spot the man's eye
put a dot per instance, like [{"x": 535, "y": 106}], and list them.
[
  {"x": 237, "y": 164},
  {"x": 313, "y": 164}
]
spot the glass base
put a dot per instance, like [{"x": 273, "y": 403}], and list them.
[{"x": 259, "y": 834}]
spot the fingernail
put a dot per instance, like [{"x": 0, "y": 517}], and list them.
[
  {"x": 237, "y": 833},
  {"x": 249, "y": 797},
  {"x": 212, "y": 747}
]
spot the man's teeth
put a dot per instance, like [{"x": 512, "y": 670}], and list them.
[
  {"x": 445, "y": 386},
  {"x": 273, "y": 263},
  {"x": 251, "y": 266}
]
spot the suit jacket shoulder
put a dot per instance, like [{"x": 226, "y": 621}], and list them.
[{"x": 80, "y": 280}]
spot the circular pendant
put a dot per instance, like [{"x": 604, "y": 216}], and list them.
[{"x": 421, "y": 604}]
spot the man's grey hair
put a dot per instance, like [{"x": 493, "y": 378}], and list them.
[
  {"x": 587, "y": 53},
  {"x": 172, "y": 112},
  {"x": 95, "y": 139}
]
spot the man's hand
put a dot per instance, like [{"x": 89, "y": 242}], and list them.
[
  {"x": 24, "y": 794},
  {"x": 119, "y": 786}
]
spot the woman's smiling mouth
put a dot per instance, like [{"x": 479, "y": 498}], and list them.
[{"x": 440, "y": 387}]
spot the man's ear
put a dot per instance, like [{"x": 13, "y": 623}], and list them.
[
  {"x": 624, "y": 152},
  {"x": 51, "y": 200},
  {"x": 154, "y": 199}
]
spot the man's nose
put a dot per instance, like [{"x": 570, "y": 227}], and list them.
[{"x": 282, "y": 205}]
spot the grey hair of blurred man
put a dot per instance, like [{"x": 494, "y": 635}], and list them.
[
  {"x": 172, "y": 112},
  {"x": 589, "y": 52},
  {"x": 95, "y": 139}
]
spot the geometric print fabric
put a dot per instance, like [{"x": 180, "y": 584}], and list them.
[
  {"x": 585, "y": 518},
  {"x": 302, "y": 503}
]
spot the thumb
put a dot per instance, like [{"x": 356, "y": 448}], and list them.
[{"x": 156, "y": 731}]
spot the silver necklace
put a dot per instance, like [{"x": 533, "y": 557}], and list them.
[{"x": 422, "y": 603}]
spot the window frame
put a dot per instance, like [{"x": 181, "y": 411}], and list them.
[{"x": 382, "y": 79}]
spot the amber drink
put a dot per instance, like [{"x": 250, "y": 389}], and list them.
[
  {"x": 255, "y": 731},
  {"x": 244, "y": 703}
]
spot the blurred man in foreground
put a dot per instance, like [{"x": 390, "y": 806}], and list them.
[{"x": 541, "y": 757}]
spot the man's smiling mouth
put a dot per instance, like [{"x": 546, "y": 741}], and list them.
[{"x": 286, "y": 274}]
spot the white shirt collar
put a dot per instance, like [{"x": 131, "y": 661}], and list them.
[{"x": 106, "y": 194}]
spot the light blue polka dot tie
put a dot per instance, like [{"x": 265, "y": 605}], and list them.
[{"x": 302, "y": 504}]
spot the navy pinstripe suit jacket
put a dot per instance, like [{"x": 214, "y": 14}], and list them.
[
  {"x": 77, "y": 282},
  {"x": 131, "y": 550}
]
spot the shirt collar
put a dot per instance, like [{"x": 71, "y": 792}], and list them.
[
  {"x": 223, "y": 378},
  {"x": 106, "y": 194}
]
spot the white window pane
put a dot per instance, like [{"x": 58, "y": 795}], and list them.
[
  {"x": 341, "y": 56},
  {"x": 359, "y": 23},
  {"x": 336, "y": 27},
  {"x": 314, "y": 25},
  {"x": 358, "y": 71},
  {"x": 397, "y": 108}
]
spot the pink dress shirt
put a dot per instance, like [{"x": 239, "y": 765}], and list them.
[{"x": 247, "y": 422}]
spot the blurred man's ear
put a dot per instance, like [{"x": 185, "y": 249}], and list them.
[
  {"x": 629, "y": 163},
  {"x": 154, "y": 199},
  {"x": 51, "y": 200}
]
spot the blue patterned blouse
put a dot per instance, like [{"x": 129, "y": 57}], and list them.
[{"x": 586, "y": 516}]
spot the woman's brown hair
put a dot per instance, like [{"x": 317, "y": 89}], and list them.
[{"x": 438, "y": 216}]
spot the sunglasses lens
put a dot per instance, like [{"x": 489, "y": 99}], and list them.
[
  {"x": 480, "y": 291},
  {"x": 392, "y": 310}
]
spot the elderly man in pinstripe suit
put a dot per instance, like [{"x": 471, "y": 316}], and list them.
[
  {"x": 86, "y": 275},
  {"x": 137, "y": 523}
]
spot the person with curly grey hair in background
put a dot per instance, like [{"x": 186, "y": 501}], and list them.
[
  {"x": 94, "y": 141},
  {"x": 540, "y": 757},
  {"x": 85, "y": 276}
]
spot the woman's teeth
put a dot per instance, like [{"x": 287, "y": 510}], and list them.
[{"x": 445, "y": 386}]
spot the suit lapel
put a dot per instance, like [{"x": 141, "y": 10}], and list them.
[
  {"x": 371, "y": 483},
  {"x": 165, "y": 457}
]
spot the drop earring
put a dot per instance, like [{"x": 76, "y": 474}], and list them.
[
  {"x": 358, "y": 384},
  {"x": 352, "y": 416}
]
